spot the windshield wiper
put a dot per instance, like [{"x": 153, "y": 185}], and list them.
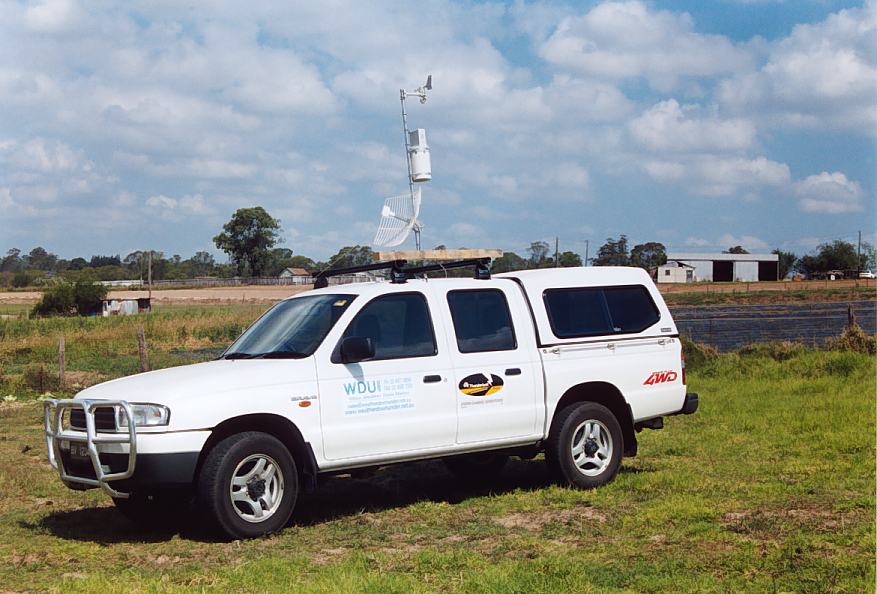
[
  {"x": 280, "y": 355},
  {"x": 239, "y": 356}
]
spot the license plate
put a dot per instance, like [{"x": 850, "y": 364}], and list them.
[{"x": 79, "y": 451}]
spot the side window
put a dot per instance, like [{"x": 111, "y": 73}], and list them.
[
  {"x": 577, "y": 312},
  {"x": 631, "y": 308},
  {"x": 399, "y": 326},
  {"x": 482, "y": 321}
]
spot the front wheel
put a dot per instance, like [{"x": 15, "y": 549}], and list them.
[
  {"x": 248, "y": 485},
  {"x": 584, "y": 446}
]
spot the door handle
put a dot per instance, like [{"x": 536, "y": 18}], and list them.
[
  {"x": 431, "y": 379},
  {"x": 513, "y": 371}
]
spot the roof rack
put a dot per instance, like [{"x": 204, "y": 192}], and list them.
[
  {"x": 397, "y": 275},
  {"x": 400, "y": 274},
  {"x": 482, "y": 272}
]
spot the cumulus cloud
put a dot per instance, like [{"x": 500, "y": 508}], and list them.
[
  {"x": 620, "y": 40},
  {"x": 668, "y": 126},
  {"x": 747, "y": 242},
  {"x": 712, "y": 175},
  {"x": 830, "y": 193},
  {"x": 823, "y": 75}
]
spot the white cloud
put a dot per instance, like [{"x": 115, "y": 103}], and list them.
[
  {"x": 821, "y": 76},
  {"x": 667, "y": 126},
  {"x": 712, "y": 175},
  {"x": 830, "y": 193},
  {"x": 620, "y": 40},
  {"x": 51, "y": 16}
]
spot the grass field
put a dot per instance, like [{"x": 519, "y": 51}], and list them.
[{"x": 769, "y": 487}]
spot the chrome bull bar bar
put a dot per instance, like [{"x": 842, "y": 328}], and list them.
[{"x": 53, "y": 414}]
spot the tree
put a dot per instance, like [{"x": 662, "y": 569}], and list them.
[
  {"x": 613, "y": 253},
  {"x": 77, "y": 264},
  {"x": 737, "y": 249},
  {"x": 569, "y": 259},
  {"x": 82, "y": 296},
  {"x": 201, "y": 264},
  {"x": 98, "y": 261},
  {"x": 40, "y": 259},
  {"x": 786, "y": 262},
  {"x": 648, "y": 255},
  {"x": 12, "y": 261},
  {"x": 538, "y": 253},
  {"x": 837, "y": 255},
  {"x": 247, "y": 239},
  {"x": 351, "y": 255},
  {"x": 508, "y": 262}
]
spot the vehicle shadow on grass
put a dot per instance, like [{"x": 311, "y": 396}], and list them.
[
  {"x": 403, "y": 485},
  {"x": 335, "y": 498}
]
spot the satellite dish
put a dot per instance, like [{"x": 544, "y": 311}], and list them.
[{"x": 398, "y": 218}]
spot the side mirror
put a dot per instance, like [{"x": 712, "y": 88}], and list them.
[{"x": 356, "y": 348}]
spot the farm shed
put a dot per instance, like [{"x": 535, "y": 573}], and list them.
[
  {"x": 674, "y": 272},
  {"x": 125, "y": 307},
  {"x": 730, "y": 267}
]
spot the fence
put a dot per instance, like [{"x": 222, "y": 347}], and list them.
[{"x": 209, "y": 282}]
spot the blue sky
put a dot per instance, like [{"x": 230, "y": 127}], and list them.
[{"x": 144, "y": 125}]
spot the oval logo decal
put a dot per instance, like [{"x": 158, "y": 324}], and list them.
[{"x": 481, "y": 384}]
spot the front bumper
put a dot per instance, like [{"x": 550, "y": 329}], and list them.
[{"x": 113, "y": 462}]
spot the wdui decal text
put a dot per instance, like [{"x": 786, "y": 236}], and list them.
[{"x": 383, "y": 394}]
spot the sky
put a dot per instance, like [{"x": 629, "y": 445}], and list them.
[{"x": 144, "y": 125}]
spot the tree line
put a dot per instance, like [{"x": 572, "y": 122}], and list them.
[{"x": 251, "y": 236}]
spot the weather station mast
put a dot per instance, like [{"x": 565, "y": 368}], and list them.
[{"x": 399, "y": 214}]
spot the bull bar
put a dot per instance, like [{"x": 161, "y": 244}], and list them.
[{"x": 53, "y": 413}]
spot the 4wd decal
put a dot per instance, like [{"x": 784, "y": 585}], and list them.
[
  {"x": 481, "y": 384},
  {"x": 660, "y": 377}
]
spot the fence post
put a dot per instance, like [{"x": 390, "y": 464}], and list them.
[
  {"x": 141, "y": 345},
  {"x": 62, "y": 361}
]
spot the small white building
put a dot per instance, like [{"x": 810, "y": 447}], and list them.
[
  {"x": 297, "y": 276},
  {"x": 674, "y": 272},
  {"x": 730, "y": 267}
]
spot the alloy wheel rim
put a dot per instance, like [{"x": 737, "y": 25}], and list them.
[
  {"x": 591, "y": 447},
  {"x": 256, "y": 488}
]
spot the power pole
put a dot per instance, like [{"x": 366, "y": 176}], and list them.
[
  {"x": 556, "y": 252},
  {"x": 859, "y": 255},
  {"x": 149, "y": 276},
  {"x": 587, "y": 246}
]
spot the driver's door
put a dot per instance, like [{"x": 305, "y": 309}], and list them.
[{"x": 399, "y": 400}]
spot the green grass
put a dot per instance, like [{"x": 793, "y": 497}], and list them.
[{"x": 770, "y": 487}]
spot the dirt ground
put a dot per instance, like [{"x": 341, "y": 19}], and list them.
[{"x": 270, "y": 294}]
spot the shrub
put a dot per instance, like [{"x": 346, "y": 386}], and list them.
[
  {"x": 853, "y": 338},
  {"x": 778, "y": 351},
  {"x": 696, "y": 353},
  {"x": 82, "y": 296},
  {"x": 39, "y": 379}
]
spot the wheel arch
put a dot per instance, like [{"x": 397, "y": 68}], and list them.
[
  {"x": 275, "y": 425},
  {"x": 609, "y": 396}
]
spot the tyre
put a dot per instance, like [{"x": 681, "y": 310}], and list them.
[
  {"x": 472, "y": 467},
  {"x": 584, "y": 446},
  {"x": 154, "y": 510},
  {"x": 248, "y": 485}
]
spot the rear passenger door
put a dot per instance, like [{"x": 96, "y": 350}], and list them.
[{"x": 495, "y": 379}]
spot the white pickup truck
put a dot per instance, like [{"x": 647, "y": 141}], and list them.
[{"x": 571, "y": 362}]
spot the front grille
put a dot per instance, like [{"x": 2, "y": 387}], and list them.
[{"x": 104, "y": 418}]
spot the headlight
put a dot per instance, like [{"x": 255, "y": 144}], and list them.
[{"x": 145, "y": 415}]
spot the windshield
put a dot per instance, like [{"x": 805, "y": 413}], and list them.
[{"x": 292, "y": 329}]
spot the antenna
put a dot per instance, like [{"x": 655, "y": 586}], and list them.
[
  {"x": 417, "y": 159},
  {"x": 398, "y": 219}
]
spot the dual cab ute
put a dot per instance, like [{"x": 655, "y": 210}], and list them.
[{"x": 570, "y": 362}]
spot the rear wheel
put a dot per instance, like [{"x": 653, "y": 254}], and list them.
[
  {"x": 584, "y": 446},
  {"x": 248, "y": 485},
  {"x": 480, "y": 466}
]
